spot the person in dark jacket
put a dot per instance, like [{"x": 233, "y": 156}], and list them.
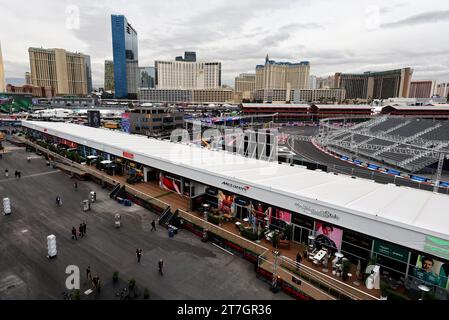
[
  {"x": 161, "y": 265},
  {"x": 74, "y": 233}
]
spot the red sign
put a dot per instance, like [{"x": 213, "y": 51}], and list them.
[{"x": 128, "y": 155}]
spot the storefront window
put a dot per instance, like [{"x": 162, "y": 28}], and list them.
[
  {"x": 302, "y": 221},
  {"x": 395, "y": 268}
]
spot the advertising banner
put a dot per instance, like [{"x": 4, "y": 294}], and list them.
[
  {"x": 125, "y": 124},
  {"x": 391, "y": 251},
  {"x": 432, "y": 271},
  {"x": 260, "y": 212},
  {"x": 283, "y": 215},
  {"x": 328, "y": 235},
  {"x": 170, "y": 184},
  {"x": 226, "y": 202},
  {"x": 437, "y": 247}
]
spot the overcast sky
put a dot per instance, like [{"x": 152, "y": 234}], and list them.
[{"x": 335, "y": 36}]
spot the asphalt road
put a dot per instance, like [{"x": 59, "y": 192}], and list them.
[
  {"x": 308, "y": 151},
  {"x": 192, "y": 270}
]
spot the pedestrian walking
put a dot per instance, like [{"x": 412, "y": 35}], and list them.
[
  {"x": 88, "y": 273},
  {"x": 161, "y": 265},
  {"x": 153, "y": 225},
  {"x": 75, "y": 185},
  {"x": 139, "y": 253},
  {"x": 6, "y": 173},
  {"x": 81, "y": 227},
  {"x": 58, "y": 200},
  {"x": 84, "y": 228},
  {"x": 19, "y": 174},
  {"x": 15, "y": 174},
  {"x": 74, "y": 233}
]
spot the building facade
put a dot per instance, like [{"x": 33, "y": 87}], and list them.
[
  {"x": 325, "y": 82},
  {"x": 376, "y": 85},
  {"x": 125, "y": 53},
  {"x": 147, "y": 77},
  {"x": 282, "y": 75},
  {"x": 206, "y": 96},
  {"x": 2, "y": 72},
  {"x": 245, "y": 84},
  {"x": 58, "y": 68},
  {"x": 422, "y": 88},
  {"x": 88, "y": 67},
  {"x": 35, "y": 91},
  {"x": 189, "y": 56},
  {"x": 188, "y": 75},
  {"x": 443, "y": 90},
  {"x": 296, "y": 96},
  {"x": 312, "y": 83},
  {"x": 109, "y": 75},
  {"x": 155, "y": 121},
  {"x": 27, "y": 78}
]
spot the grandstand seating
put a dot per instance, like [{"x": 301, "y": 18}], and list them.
[{"x": 393, "y": 133}]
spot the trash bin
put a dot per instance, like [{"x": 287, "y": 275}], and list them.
[
  {"x": 173, "y": 228},
  {"x": 86, "y": 205},
  {"x": 171, "y": 234}
]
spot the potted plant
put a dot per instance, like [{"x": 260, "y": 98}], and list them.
[
  {"x": 384, "y": 289},
  {"x": 131, "y": 284},
  {"x": 146, "y": 294},
  {"x": 76, "y": 295},
  {"x": 115, "y": 276},
  {"x": 346, "y": 267}
]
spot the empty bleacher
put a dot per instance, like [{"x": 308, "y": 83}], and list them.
[{"x": 383, "y": 138}]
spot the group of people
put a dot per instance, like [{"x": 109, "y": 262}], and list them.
[
  {"x": 17, "y": 174},
  {"x": 96, "y": 284},
  {"x": 82, "y": 230},
  {"x": 139, "y": 253}
]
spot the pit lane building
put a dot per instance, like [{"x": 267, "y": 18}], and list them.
[{"x": 396, "y": 226}]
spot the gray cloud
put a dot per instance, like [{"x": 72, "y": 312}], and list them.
[
  {"x": 426, "y": 17},
  {"x": 237, "y": 33}
]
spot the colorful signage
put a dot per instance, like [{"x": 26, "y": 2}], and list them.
[
  {"x": 373, "y": 167},
  {"x": 391, "y": 251},
  {"x": 128, "y": 155},
  {"x": 395, "y": 172},
  {"x": 437, "y": 247}
]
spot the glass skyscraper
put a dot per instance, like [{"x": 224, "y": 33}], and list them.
[
  {"x": 125, "y": 53},
  {"x": 147, "y": 77}
]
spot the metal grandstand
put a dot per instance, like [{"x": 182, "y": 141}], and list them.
[{"x": 407, "y": 143}]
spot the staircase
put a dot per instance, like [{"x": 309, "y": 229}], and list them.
[
  {"x": 113, "y": 194},
  {"x": 166, "y": 217}
]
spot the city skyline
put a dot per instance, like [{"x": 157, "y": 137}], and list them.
[{"x": 358, "y": 37}]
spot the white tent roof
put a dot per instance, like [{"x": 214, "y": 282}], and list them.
[{"x": 409, "y": 209}]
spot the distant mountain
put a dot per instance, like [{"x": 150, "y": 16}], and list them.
[{"x": 15, "y": 81}]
